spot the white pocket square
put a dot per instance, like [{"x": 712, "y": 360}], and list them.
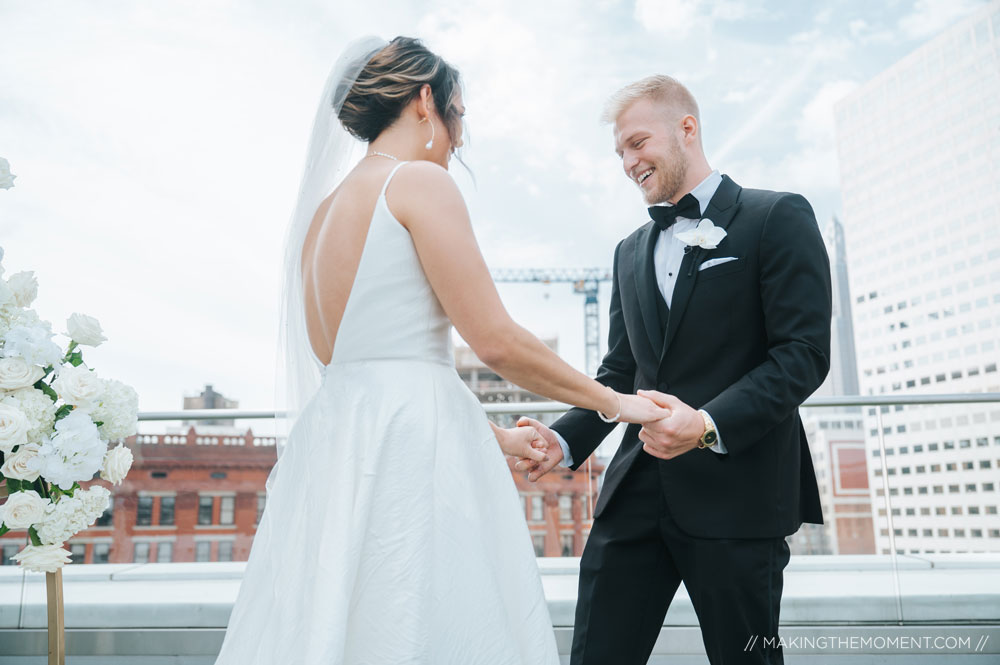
[{"x": 715, "y": 262}]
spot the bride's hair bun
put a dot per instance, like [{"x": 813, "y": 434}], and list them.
[{"x": 392, "y": 79}]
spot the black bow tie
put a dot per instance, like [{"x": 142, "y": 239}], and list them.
[{"x": 665, "y": 216}]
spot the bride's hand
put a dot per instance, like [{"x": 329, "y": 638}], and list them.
[
  {"x": 636, "y": 409},
  {"x": 523, "y": 443}
]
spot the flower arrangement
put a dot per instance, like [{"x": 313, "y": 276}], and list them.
[{"x": 57, "y": 419}]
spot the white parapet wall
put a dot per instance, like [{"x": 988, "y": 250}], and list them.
[{"x": 839, "y": 609}]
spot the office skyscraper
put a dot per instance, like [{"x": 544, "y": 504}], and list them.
[{"x": 919, "y": 149}]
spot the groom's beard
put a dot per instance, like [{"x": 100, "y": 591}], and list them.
[{"x": 670, "y": 174}]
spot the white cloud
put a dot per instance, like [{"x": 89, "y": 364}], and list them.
[{"x": 930, "y": 17}]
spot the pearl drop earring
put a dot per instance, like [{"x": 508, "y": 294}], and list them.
[{"x": 430, "y": 143}]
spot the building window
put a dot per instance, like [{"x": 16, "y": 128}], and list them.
[
  {"x": 141, "y": 554},
  {"x": 203, "y": 551},
  {"x": 107, "y": 517},
  {"x": 205, "y": 510},
  {"x": 77, "y": 552},
  {"x": 166, "y": 511},
  {"x": 566, "y": 540},
  {"x": 565, "y": 507},
  {"x": 538, "y": 542},
  {"x": 585, "y": 507},
  {"x": 537, "y": 509},
  {"x": 144, "y": 511},
  {"x": 225, "y": 551},
  {"x": 100, "y": 554},
  {"x": 164, "y": 552},
  {"x": 226, "y": 509}
]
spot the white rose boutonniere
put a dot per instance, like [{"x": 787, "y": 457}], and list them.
[{"x": 706, "y": 235}]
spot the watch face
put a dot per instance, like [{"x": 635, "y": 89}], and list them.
[{"x": 710, "y": 438}]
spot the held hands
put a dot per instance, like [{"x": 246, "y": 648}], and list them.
[
  {"x": 523, "y": 443},
  {"x": 674, "y": 435},
  {"x": 641, "y": 409},
  {"x": 553, "y": 451}
]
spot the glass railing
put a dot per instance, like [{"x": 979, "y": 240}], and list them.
[{"x": 903, "y": 476}]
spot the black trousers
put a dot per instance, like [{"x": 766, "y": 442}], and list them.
[{"x": 635, "y": 559}]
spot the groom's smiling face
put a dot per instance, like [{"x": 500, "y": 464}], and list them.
[{"x": 648, "y": 140}]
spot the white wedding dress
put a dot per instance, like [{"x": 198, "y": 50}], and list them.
[{"x": 392, "y": 533}]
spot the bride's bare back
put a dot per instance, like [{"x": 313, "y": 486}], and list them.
[{"x": 331, "y": 253}]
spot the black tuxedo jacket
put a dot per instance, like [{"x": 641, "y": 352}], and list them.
[{"x": 748, "y": 341}]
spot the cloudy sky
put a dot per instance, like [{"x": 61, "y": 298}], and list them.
[{"x": 158, "y": 146}]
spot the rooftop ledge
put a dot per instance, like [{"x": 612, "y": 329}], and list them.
[{"x": 177, "y": 612}]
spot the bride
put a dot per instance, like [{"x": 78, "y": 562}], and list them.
[{"x": 393, "y": 532}]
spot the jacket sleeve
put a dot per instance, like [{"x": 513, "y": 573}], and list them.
[
  {"x": 796, "y": 298},
  {"x": 582, "y": 429}
]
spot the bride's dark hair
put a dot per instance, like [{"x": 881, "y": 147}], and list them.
[{"x": 392, "y": 79}]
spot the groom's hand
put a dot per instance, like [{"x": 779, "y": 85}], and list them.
[
  {"x": 675, "y": 435},
  {"x": 554, "y": 453}
]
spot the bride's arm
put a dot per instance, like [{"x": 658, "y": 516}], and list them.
[{"x": 427, "y": 202}]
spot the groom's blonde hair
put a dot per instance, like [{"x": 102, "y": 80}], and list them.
[{"x": 661, "y": 88}]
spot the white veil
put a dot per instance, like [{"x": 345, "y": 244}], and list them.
[{"x": 332, "y": 153}]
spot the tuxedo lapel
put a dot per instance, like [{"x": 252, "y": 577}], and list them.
[
  {"x": 646, "y": 289},
  {"x": 721, "y": 210}
]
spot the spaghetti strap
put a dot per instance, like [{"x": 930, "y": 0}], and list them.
[{"x": 385, "y": 186}]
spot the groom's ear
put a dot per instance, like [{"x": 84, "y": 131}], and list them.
[{"x": 691, "y": 129}]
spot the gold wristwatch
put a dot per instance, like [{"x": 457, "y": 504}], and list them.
[{"x": 710, "y": 437}]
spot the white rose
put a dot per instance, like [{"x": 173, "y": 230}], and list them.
[
  {"x": 85, "y": 330},
  {"x": 22, "y": 464},
  {"x": 78, "y": 386},
  {"x": 33, "y": 342},
  {"x": 25, "y": 288},
  {"x": 23, "y": 509},
  {"x": 117, "y": 463},
  {"x": 17, "y": 373},
  {"x": 75, "y": 452},
  {"x": 44, "y": 559},
  {"x": 13, "y": 428},
  {"x": 6, "y": 179}
]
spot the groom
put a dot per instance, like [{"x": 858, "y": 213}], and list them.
[{"x": 720, "y": 310}]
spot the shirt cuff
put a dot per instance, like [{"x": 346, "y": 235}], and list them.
[
  {"x": 718, "y": 448},
  {"x": 567, "y": 460}
]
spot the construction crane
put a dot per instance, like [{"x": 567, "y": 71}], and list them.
[{"x": 584, "y": 280}]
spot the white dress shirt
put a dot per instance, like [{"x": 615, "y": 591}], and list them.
[{"x": 667, "y": 256}]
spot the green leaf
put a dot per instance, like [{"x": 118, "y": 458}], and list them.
[
  {"x": 47, "y": 389},
  {"x": 13, "y": 485},
  {"x": 35, "y": 540},
  {"x": 3, "y": 529},
  {"x": 76, "y": 358},
  {"x": 63, "y": 411}
]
